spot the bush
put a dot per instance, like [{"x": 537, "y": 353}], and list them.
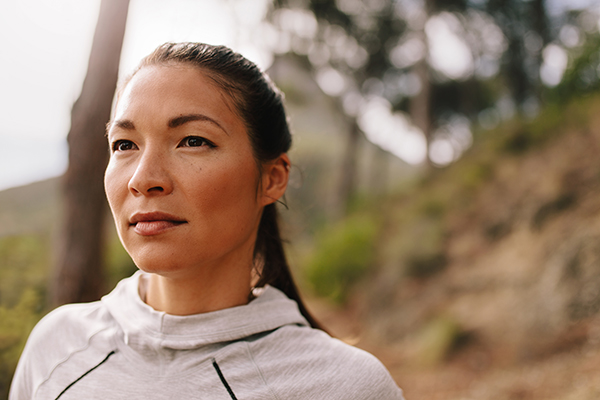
[
  {"x": 438, "y": 339},
  {"x": 342, "y": 255},
  {"x": 15, "y": 325},
  {"x": 24, "y": 263}
]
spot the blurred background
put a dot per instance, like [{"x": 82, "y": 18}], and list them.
[{"x": 443, "y": 210}]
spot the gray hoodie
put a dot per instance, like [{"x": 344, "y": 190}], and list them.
[{"x": 121, "y": 348}]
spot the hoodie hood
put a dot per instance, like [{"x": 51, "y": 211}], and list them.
[{"x": 145, "y": 328}]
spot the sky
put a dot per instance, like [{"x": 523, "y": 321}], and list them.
[{"x": 45, "y": 50}]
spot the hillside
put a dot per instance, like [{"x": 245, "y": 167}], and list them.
[
  {"x": 486, "y": 279},
  {"x": 31, "y": 208}
]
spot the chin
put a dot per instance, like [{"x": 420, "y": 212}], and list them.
[{"x": 156, "y": 263}]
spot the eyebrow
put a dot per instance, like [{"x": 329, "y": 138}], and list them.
[
  {"x": 184, "y": 119},
  {"x": 123, "y": 124},
  {"x": 173, "y": 122}
]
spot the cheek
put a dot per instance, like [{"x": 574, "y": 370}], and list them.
[{"x": 231, "y": 187}]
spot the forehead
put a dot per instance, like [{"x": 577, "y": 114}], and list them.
[{"x": 179, "y": 89}]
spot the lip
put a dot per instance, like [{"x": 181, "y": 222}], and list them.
[{"x": 154, "y": 223}]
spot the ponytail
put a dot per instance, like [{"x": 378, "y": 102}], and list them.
[{"x": 275, "y": 269}]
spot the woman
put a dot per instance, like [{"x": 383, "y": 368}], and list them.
[{"x": 198, "y": 160}]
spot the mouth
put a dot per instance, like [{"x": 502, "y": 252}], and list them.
[{"x": 154, "y": 223}]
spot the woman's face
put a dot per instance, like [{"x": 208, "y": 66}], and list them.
[{"x": 182, "y": 183}]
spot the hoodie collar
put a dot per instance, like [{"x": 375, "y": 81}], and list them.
[{"x": 145, "y": 327}]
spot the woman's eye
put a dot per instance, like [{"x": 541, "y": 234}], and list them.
[
  {"x": 195, "y": 141},
  {"x": 123, "y": 145}
]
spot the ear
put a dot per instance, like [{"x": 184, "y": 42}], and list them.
[{"x": 275, "y": 177}]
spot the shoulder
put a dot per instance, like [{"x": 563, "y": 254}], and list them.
[
  {"x": 80, "y": 316},
  {"x": 306, "y": 361},
  {"x": 69, "y": 327},
  {"x": 64, "y": 331}
]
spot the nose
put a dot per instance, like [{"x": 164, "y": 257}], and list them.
[{"x": 151, "y": 176}]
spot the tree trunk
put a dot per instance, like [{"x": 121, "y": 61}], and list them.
[
  {"x": 519, "y": 82},
  {"x": 78, "y": 272},
  {"x": 379, "y": 171},
  {"x": 541, "y": 27},
  {"x": 347, "y": 184},
  {"x": 420, "y": 105}
]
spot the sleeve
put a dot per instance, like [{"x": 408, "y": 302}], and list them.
[
  {"x": 22, "y": 383},
  {"x": 20, "y": 387}
]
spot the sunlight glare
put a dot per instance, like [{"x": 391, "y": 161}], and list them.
[
  {"x": 392, "y": 131},
  {"x": 331, "y": 81},
  {"x": 448, "y": 53},
  {"x": 554, "y": 65}
]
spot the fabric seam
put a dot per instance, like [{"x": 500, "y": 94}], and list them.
[
  {"x": 260, "y": 373},
  {"x": 64, "y": 360}
]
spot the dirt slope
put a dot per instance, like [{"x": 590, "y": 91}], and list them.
[{"x": 489, "y": 288}]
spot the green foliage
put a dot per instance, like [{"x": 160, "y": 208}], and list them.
[
  {"x": 581, "y": 77},
  {"x": 524, "y": 136},
  {"x": 475, "y": 174},
  {"x": 24, "y": 263},
  {"x": 433, "y": 208},
  {"x": 343, "y": 254},
  {"x": 437, "y": 340},
  {"x": 15, "y": 325}
]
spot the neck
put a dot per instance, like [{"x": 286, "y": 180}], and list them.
[{"x": 202, "y": 292}]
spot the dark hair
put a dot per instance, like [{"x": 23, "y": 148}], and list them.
[{"x": 260, "y": 105}]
